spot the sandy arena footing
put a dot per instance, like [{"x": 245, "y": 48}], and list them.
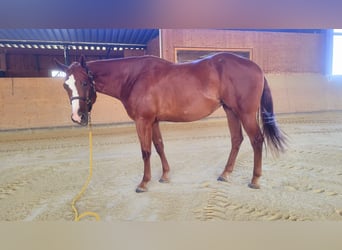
[{"x": 42, "y": 170}]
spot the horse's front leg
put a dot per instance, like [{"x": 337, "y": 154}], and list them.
[
  {"x": 159, "y": 145},
  {"x": 144, "y": 130}
]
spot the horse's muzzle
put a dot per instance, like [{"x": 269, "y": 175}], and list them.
[{"x": 83, "y": 119}]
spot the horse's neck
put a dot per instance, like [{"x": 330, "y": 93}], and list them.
[{"x": 108, "y": 76}]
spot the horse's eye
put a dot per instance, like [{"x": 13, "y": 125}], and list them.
[{"x": 84, "y": 83}]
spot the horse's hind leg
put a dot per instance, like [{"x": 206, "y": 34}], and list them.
[
  {"x": 236, "y": 140},
  {"x": 159, "y": 146},
  {"x": 249, "y": 122}
]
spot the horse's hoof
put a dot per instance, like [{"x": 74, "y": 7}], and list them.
[
  {"x": 254, "y": 186},
  {"x": 221, "y": 178},
  {"x": 141, "y": 190},
  {"x": 164, "y": 180}
]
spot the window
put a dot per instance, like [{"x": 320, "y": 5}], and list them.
[
  {"x": 57, "y": 73},
  {"x": 337, "y": 52},
  {"x": 190, "y": 54}
]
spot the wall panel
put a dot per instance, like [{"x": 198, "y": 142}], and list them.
[{"x": 42, "y": 102}]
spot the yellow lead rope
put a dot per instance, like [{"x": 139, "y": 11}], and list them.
[{"x": 78, "y": 196}]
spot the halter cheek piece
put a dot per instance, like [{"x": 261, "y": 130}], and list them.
[{"x": 87, "y": 99}]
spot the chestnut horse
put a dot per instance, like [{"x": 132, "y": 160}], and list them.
[{"x": 152, "y": 90}]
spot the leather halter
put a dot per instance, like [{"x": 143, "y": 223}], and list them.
[{"x": 92, "y": 91}]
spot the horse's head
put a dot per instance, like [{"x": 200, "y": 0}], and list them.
[{"x": 80, "y": 86}]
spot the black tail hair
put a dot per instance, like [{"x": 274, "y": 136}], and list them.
[{"x": 276, "y": 139}]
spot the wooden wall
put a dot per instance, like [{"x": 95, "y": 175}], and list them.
[
  {"x": 305, "y": 92},
  {"x": 42, "y": 102},
  {"x": 153, "y": 47},
  {"x": 275, "y": 52},
  {"x": 39, "y": 63}
]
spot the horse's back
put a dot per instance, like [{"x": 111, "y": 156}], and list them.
[
  {"x": 176, "y": 92},
  {"x": 191, "y": 91}
]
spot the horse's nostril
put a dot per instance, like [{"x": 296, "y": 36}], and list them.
[
  {"x": 84, "y": 119},
  {"x": 81, "y": 114}
]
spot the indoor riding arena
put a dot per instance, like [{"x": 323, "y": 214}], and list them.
[{"x": 45, "y": 158}]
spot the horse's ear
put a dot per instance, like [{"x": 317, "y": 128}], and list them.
[
  {"x": 83, "y": 61},
  {"x": 60, "y": 65}
]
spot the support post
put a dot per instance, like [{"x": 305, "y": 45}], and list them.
[{"x": 66, "y": 55}]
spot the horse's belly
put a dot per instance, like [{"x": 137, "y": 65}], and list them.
[{"x": 188, "y": 113}]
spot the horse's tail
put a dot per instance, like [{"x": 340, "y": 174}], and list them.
[{"x": 276, "y": 139}]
